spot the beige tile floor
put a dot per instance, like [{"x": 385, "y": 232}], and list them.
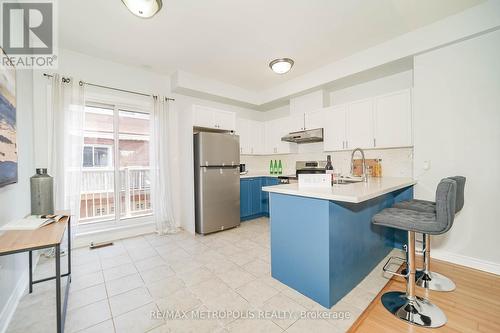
[{"x": 116, "y": 289}]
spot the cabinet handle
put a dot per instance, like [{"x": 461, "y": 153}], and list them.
[
  {"x": 343, "y": 144},
  {"x": 374, "y": 142}
]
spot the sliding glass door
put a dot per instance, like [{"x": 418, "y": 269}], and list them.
[
  {"x": 133, "y": 143},
  {"x": 116, "y": 186},
  {"x": 98, "y": 172}
]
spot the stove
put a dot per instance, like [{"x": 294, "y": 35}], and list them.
[{"x": 303, "y": 167}]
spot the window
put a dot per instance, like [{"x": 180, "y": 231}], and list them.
[
  {"x": 115, "y": 180},
  {"x": 97, "y": 157}
]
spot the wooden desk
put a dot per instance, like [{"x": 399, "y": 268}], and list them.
[{"x": 52, "y": 235}]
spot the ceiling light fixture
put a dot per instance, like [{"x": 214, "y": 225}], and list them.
[
  {"x": 143, "y": 8},
  {"x": 281, "y": 66}
]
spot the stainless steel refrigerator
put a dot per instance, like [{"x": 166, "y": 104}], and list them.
[{"x": 217, "y": 181}]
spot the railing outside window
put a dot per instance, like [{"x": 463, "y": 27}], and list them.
[{"x": 98, "y": 194}]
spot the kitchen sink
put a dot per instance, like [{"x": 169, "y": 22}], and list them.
[{"x": 346, "y": 181}]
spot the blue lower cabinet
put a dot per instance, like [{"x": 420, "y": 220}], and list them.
[
  {"x": 256, "y": 187},
  {"x": 245, "y": 204},
  {"x": 255, "y": 202}
]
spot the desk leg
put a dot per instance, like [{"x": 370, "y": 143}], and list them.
[
  {"x": 58, "y": 288},
  {"x": 69, "y": 249},
  {"x": 30, "y": 255}
]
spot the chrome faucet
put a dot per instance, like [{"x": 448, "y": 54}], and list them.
[{"x": 364, "y": 176}]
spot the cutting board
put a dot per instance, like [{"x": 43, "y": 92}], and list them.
[{"x": 358, "y": 166}]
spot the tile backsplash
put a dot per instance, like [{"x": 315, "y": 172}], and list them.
[{"x": 396, "y": 162}]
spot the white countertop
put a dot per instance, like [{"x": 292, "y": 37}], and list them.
[{"x": 354, "y": 193}]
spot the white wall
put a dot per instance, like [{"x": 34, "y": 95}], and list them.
[
  {"x": 457, "y": 129},
  {"x": 15, "y": 199}
]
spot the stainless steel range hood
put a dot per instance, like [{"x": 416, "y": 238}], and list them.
[{"x": 309, "y": 136}]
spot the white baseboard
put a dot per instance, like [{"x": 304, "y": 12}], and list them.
[
  {"x": 482, "y": 265},
  {"x": 112, "y": 234},
  {"x": 11, "y": 305}
]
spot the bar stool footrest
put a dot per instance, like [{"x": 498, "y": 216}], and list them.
[{"x": 395, "y": 261}]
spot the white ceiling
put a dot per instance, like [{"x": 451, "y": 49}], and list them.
[{"x": 233, "y": 41}]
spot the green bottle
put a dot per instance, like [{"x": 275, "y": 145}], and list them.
[
  {"x": 271, "y": 170},
  {"x": 280, "y": 168},
  {"x": 275, "y": 167}
]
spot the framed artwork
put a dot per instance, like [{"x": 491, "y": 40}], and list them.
[{"x": 8, "y": 129}]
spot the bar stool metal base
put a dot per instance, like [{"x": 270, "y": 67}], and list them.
[
  {"x": 418, "y": 312},
  {"x": 434, "y": 281}
]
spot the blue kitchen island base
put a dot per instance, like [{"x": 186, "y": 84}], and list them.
[{"x": 324, "y": 248}]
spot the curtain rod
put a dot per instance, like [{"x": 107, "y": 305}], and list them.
[{"x": 116, "y": 89}]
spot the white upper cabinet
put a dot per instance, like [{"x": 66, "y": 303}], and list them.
[
  {"x": 380, "y": 122},
  {"x": 393, "y": 120},
  {"x": 203, "y": 116},
  {"x": 256, "y": 137},
  {"x": 212, "y": 118},
  {"x": 315, "y": 119},
  {"x": 242, "y": 130},
  {"x": 296, "y": 123},
  {"x": 307, "y": 121},
  {"x": 251, "y": 135},
  {"x": 274, "y": 131},
  {"x": 273, "y": 136},
  {"x": 224, "y": 120},
  {"x": 360, "y": 124},
  {"x": 335, "y": 128}
]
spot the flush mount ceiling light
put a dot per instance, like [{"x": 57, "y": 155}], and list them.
[
  {"x": 143, "y": 8},
  {"x": 281, "y": 66}
]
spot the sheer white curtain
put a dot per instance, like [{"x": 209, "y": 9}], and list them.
[
  {"x": 66, "y": 123},
  {"x": 161, "y": 172}
]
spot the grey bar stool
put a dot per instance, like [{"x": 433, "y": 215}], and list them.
[
  {"x": 406, "y": 305},
  {"x": 425, "y": 277}
]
